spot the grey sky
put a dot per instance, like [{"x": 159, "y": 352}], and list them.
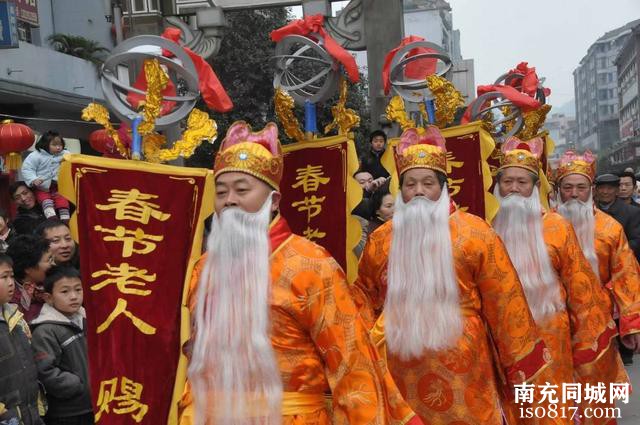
[{"x": 552, "y": 35}]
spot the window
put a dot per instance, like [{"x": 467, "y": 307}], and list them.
[
  {"x": 602, "y": 94},
  {"x": 610, "y": 76},
  {"x": 141, "y": 6},
  {"x": 604, "y": 110},
  {"x": 602, "y": 78}
]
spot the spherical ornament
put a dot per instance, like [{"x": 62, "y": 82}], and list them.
[
  {"x": 131, "y": 54},
  {"x": 413, "y": 88},
  {"x": 305, "y": 69},
  {"x": 14, "y": 137},
  {"x": 502, "y": 126}
]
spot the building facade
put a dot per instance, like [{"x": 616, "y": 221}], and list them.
[
  {"x": 596, "y": 91},
  {"x": 627, "y": 153}
]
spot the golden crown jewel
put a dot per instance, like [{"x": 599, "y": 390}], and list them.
[
  {"x": 421, "y": 148},
  {"x": 572, "y": 163},
  {"x": 522, "y": 154},
  {"x": 258, "y": 154}
]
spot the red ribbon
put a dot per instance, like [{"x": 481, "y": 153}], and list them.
[
  {"x": 210, "y": 87},
  {"x": 213, "y": 94},
  {"x": 417, "y": 69},
  {"x": 314, "y": 24},
  {"x": 529, "y": 81},
  {"x": 524, "y": 102}
]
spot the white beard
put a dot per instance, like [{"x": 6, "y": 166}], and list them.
[
  {"x": 519, "y": 225},
  {"x": 581, "y": 216},
  {"x": 233, "y": 371},
  {"x": 422, "y": 306}
]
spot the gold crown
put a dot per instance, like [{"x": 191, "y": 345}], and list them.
[
  {"x": 421, "y": 148},
  {"x": 572, "y": 163},
  {"x": 422, "y": 156},
  {"x": 518, "y": 153},
  {"x": 258, "y": 154}
]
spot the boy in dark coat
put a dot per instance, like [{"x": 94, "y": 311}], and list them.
[{"x": 60, "y": 349}]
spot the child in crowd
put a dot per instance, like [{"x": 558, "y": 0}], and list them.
[
  {"x": 40, "y": 171},
  {"x": 18, "y": 375},
  {"x": 60, "y": 349}
]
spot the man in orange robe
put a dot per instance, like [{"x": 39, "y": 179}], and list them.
[
  {"x": 562, "y": 290},
  {"x": 444, "y": 302},
  {"x": 605, "y": 245},
  {"x": 274, "y": 326}
]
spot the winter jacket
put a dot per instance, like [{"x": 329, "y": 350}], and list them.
[
  {"x": 42, "y": 165},
  {"x": 18, "y": 375},
  {"x": 60, "y": 351},
  {"x": 28, "y": 219},
  {"x": 371, "y": 163}
]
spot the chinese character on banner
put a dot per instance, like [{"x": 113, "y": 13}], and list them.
[
  {"x": 123, "y": 400},
  {"x": 321, "y": 193},
  {"x": 139, "y": 229}
]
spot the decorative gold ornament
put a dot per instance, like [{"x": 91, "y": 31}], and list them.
[
  {"x": 157, "y": 80},
  {"x": 397, "y": 113},
  {"x": 199, "y": 128},
  {"x": 344, "y": 119},
  {"x": 533, "y": 121},
  {"x": 151, "y": 146},
  {"x": 284, "y": 111},
  {"x": 446, "y": 98},
  {"x": 98, "y": 113}
]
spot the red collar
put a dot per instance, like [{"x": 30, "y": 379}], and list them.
[{"x": 279, "y": 232}]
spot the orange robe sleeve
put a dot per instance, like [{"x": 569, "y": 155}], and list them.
[
  {"x": 360, "y": 383},
  {"x": 520, "y": 351},
  {"x": 625, "y": 284},
  {"x": 368, "y": 290}
]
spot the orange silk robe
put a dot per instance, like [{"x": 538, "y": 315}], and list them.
[
  {"x": 582, "y": 333},
  {"x": 459, "y": 385},
  {"x": 618, "y": 270},
  {"x": 321, "y": 345}
]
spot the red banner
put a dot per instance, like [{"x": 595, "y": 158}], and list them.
[
  {"x": 319, "y": 192},
  {"x": 469, "y": 177},
  {"x": 140, "y": 232}
]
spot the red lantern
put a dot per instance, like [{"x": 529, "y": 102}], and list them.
[
  {"x": 14, "y": 138},
  {"x": 103, "y": 143}
]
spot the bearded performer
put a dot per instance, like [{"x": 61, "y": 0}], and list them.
[
  {"x": 561, "y": 288},
  {"x": 605, "y": 245},
  {"x": 275, "y": 328},
  {"x": 445, "y": 300}
]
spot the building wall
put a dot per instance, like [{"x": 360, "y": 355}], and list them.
[
  {"x": 84, "y": 18},
  {"x": 596, "y": 91}
]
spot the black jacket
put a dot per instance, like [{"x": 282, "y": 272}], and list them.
[
  {"x": 60, "y": 351},
  {"x": 18, "y": 376},
  {"x": 629, "y": 217},
  {"x": 26, "y": 220},
  {"x": 370, "y": 162}
]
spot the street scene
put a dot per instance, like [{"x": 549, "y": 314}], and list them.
[{"x": 263, "y": 212}]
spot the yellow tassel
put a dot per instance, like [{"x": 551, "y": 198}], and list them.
[{"x": 12, "y": 161}]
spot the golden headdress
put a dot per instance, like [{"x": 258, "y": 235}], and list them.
[
  {"x": 421, "y": 149},
  {"x": 521, "y": 154},
  {"x": 258, "y": 154},
  {"x": 572, "y": 163}
]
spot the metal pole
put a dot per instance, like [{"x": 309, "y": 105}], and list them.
[{"x": 117, "y": 21}]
